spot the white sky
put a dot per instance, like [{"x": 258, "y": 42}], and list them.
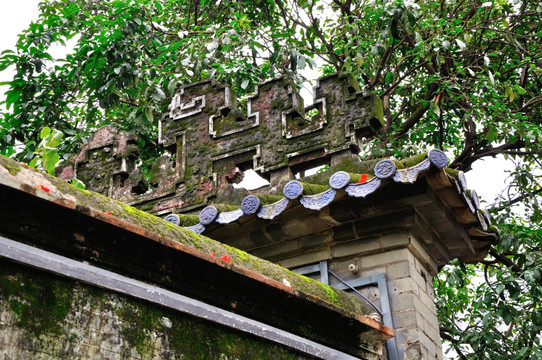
[
  {"x": 15, "y": 15},
  {"x": 487, "y": 177}
]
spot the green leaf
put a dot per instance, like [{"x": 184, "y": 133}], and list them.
[
  {"x": 522, "y": 352},
  {"x": 491, "y": 133},
  {"x": 507, "y": 241},
  {"x": 171, "y": 86},
  {"x": 509, "y": 93},
  {"x": 34, "y": 162},
  {"x": 507, "y": 316},
  {"x": 411, "y": 18},
  {"x": 78, "y": 183},
  {"x": 419, "y": 38},
  {"x": 149, "y": 114},
  {"x": 158, "y": 95},
  {"x": 45, "y": 132},
  {"x": 55, "y": 138},
  {"x": 50, "y": 159},
  {"x": 461, "y": 44},
  {"x": 274, "y": 55},
  {"x": 293, "y": 60},
  {"x": 491, "y": 78},
  {"x": 436, "y": 109},
  {"x": 245, "y": 83},
  {"x": 389, "y": 77},
  {"x": 301, "y": 62}
]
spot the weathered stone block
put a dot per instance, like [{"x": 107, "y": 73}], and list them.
[
  {"x": 258, "y": 238},
  {"x": 340, "y": 213},
  {"x": 407, "y": 319},
  {"x": 294, "y": 228},
  {"x": 427, "y": 301},
  {"x": 315, "y": 240},
  {"x": 398, "y": 270},
  {"x": 380, "y": 259},
  {"x": 429, "y": 344},
  {"x": 403, "y": 302},
  {"x": 360, "y": 246},
  {"x": 400, "y": 286},
  {"x": 305, "y": 259},
  {"x": 395, "y": 240},
  {"x": 425, "y": 311},
  {"x": 317, "y": 223},
  {"x": 344, "y": 232},
  {"x": 422, "y": 256},
  {"x": 275, "y": 232},
  {"x": 285, "y": 248},
  {"x": 419, "y": 279}
]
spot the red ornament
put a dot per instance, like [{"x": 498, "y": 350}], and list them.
[
  {"x": 225, "y": 258},
  {"x": 363, "y": 178},
  {"x": 46, "y": 189}
]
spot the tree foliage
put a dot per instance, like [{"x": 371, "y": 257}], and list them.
[{"x": 464, "y": 76}]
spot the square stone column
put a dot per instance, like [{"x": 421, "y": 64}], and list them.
[{"x": 408, "y": 270}]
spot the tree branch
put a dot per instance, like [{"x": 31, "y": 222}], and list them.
[
  {"x": 468, "y": 156},
  {"x": 444, "y": 334},
  {"x": 530, "y": 103},
  {"x": 418, "y": 113},
  {"x": 517, "y": 199},
  {"x": 506, "y": 261}
]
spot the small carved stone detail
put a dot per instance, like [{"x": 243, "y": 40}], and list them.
[
  {"x": 198, "y": 229},
  {"x": 208, "y": 215},
  {"x": 411, "y": 174},
  {"x": 364, "y": 189},
  {"x": 250, "y": 204},
  {"x": 376, "y": 317},
  {"x": 293, "y": 189},
  {"x": 318, "y": 201},
  {"x": 339, "y": 180},
  {"x": 385, "y": 169},
  {"x": 481, "y": 218},
  {"x": 229, "y": 216},
  {"x": 462, "y": 180},
  {"x": 438, "y": 158},
  {"x": 173, "y": 218},
  {"x": 272, "y": 210},
  {"x": 179, "y": 110},
  {"x": 457, "y": 186},
  {"x": 486, "y": 215},
  {"x": 475, "y": 199},
  {"x": 468, "y": 201}
]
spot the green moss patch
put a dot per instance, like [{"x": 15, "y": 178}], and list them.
[
  {"x": 58, "y": 315},
  {"x": 40, "y": 303}
]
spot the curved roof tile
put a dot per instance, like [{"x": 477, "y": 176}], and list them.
[{"x": 384, "y": 170}]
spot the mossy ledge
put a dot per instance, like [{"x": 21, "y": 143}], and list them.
[
  {"x": 58, "y": 317},
  {"x": 102, "y": 207},
  {"x": 356, "y": 167}
]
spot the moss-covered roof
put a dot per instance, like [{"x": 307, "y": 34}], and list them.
[{"x": 20, "y": 177}]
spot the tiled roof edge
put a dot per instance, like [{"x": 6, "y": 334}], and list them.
[{"x": 384, "y": 170}]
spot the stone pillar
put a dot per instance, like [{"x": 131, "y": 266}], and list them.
[{"x": 409, "y": 271}]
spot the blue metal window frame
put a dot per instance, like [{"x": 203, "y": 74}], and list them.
[{"x": 378, "y": 279}]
